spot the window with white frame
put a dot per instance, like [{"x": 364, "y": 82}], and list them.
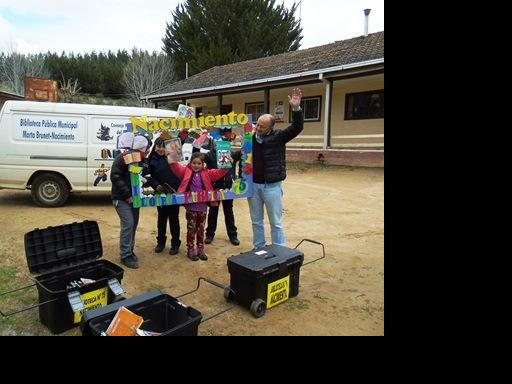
[
  {"x": 256, "y": 109},
  {"x": 311, "y": 106}
]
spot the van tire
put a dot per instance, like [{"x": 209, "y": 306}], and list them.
[{"x": 49, "y": 190}]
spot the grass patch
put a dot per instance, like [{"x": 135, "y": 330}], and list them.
[
  {"x": 7, "y": 277},
  {"x": 297, "y": 304},
  {"x": 323, "y": 299},
  {"x": 23, "y": 323}
]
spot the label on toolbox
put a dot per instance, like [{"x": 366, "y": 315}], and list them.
[
  {"x": 91, "y": 300},
  {"x": 278, "y": 291}
]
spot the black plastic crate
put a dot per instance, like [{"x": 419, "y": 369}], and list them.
[
  {"x": 62, "y": 254},
  {"x": 162, "y": 313},
  {"x": 265, "y": 277}
]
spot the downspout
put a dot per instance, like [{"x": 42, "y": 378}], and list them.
[{"x": 327, "y": 110}]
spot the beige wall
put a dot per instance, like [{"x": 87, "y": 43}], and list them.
[
  {"x": 344, "y": 133},
  {"x": 373, "y": 128}
]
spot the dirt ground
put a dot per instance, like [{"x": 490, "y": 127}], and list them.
[{"x": 342, "y": 294}]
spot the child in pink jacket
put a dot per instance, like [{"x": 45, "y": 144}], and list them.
[{"x": 196, "y": 177}]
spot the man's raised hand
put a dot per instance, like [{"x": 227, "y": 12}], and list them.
[{"x": 295, "y": 98}]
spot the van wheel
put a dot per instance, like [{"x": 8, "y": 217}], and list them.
[{"x": 49, "y": 190}]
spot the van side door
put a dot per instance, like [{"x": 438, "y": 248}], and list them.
[
  {"x": 104, "y": 132},
  {"x": 47, "y": 142}
]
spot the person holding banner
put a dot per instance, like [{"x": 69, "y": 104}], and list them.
[
  {"x": 135, "y": 148},
  {"x": 196, "y": 179},
  {"x": 227, "y": 205},
  {"x": 162, "y": 180}
]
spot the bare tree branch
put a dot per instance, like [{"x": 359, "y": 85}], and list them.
[
  {"x": 15, "y": 66},
  {"x": 146, "y": 73},
  {"x": 68, "y": 89}
]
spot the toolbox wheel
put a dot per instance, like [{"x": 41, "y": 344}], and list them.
[
  {"x": 228, "y": 295},
  {"x": 258, "y": 308},
  {"x": 118, "y": 298}
]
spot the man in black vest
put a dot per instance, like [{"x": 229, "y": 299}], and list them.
[{"x": 269, "y": 170}]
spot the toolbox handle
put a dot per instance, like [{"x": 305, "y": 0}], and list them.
[
  {"x": 23, "y": 309},
  {"x": 217, "y": 284},
  {"x": 46, "y": 289},
  {"x": 314, "y": 242}
]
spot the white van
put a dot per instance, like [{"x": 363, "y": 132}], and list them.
[{"x": 56, "y": 148}]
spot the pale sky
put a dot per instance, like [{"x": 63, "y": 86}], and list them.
[{"x": 34, "y": 26}]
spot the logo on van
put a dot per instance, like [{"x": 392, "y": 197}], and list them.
[{"x": 104, "y": 133}]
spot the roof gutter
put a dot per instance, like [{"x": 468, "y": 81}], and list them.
[
  {"x": 271, "y": 79},
  {"x": 12, "y": 95}
]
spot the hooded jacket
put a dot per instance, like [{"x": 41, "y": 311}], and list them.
[{"x": 119, "y": 175}]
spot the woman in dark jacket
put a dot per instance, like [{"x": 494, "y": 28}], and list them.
[
  {"x": 162, "y": 180},
  {"x": 227, "y": 205}
]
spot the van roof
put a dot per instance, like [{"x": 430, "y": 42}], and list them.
[{"x": 89, "y": 109}]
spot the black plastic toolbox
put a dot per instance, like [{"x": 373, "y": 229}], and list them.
[
  {"x": 265, "y": 277},
  {"x": 59, "y": 257},
  {"x": 162, "y": 314}
]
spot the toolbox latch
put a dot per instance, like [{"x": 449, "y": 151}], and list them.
[
  {"x": 115, "y": 286},
  {"x": 76, "y": 301}
]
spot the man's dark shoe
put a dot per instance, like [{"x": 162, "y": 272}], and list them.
[
  {"x": 234, "y": 240},
  {"x": 135, "y": 257},
  {"x": 159, "y": 248},
  {"x": 208, "y": 239},
  {"x": 130, "y": 262},
  {"x": 175, "y": 249}
]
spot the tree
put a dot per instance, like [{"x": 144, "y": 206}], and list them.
[
  {"x": 15, "y": 66},
  {"x": 68, "y": 90},
  {"x": 207, "y": 33},
  {"x": 146, "y": 73},
  {"x": 97, "y": 73}
]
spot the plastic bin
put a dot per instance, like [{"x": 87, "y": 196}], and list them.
[
  {"x": 63, "y": 254},
  {"x": 266, "y": 277},
  {"x": 162, "y": 313}
]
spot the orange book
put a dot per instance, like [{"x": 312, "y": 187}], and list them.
[{"x": 124, "y": 323}]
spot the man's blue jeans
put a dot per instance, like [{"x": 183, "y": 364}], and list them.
[{"x": 270, "y": 196}]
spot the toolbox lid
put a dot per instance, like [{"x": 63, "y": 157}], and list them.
[
  {"x": 263, "y": 260},
  {"x": 54, "y": 248},
  {"x": 113, "y": 307}
]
